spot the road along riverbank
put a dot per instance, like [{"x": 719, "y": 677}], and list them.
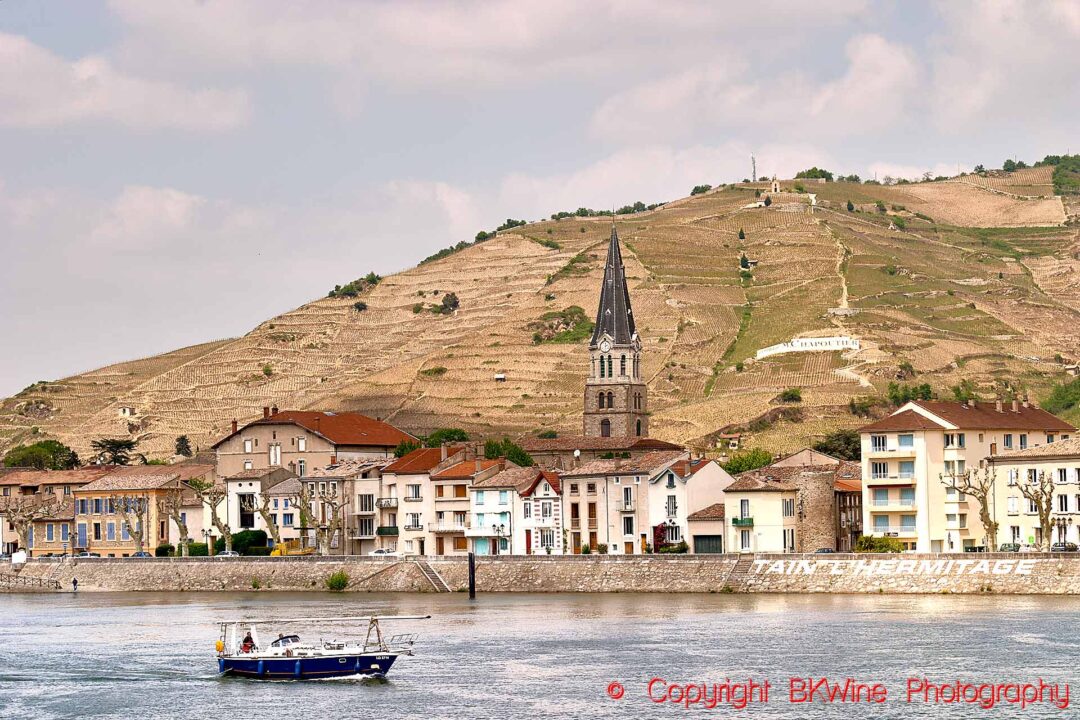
[{"x": 1006, "y": 573}]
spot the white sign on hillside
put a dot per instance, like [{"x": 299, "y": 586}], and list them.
[{"x": 811, "y": 344}]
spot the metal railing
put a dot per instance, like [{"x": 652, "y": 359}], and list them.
[
  {"x": 387, "y": 530},
  {"x": 448, "y": 527},
  {"x": 390, "y": 502},
  {"x": 8, "y": 580},
  {"x": 742, "y": 521}
]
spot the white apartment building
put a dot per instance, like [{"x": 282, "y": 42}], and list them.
[
  {"x": 1017, "y": 516},
  {"x": 905, "y": 455}
]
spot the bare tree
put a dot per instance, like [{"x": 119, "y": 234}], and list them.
[
  {"x": 212, "y": 495},
  {"x": 23, "y": 510},
  {"x": 133, "y": 510},
  {"x": 249, "y": 505},
  {"x": 1041, "y": 495},
  {"x": 302, "y": 503},
  {"x": 979, "y": 484},
  {"x": 172, "y": 505},
  {"x": 333, "y": 515}
]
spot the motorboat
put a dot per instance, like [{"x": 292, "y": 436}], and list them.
[{"x": 245, "y": 649}]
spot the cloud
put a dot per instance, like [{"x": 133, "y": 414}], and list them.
[
  {"x": 147, "y": 217},
  {"x": 41, "y": 89}
]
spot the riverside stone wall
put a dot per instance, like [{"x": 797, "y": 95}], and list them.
[{"x": 1008, "y": 573}]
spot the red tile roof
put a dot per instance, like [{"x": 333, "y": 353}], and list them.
[
  {"x": 465, "y": 469},
  {"x": 906, "y": 420},
  {"x": 347, "y": 428},
  {"x": 646, "y": 463},
  {"x": 569, "y": 443},
  {"x": 419, "y": 462},
  {"x": 78, "y": 476},
  {"x": 519, "y": 478},
  {"x": 145, "y": 477},
  {"x": 713, "y": 512}
]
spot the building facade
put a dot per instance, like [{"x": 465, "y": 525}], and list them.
[
  {"x": 1017, "y": 515},
  {"x": 906, "y": 455}
]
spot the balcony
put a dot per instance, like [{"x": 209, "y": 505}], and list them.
[
  {"x": 744, "y": 522},
  {"x": 362, "y": 511},
  {"x": 448, "y": 527},
  {"x": 888, "y": 505},
  {"x": 891, "y": 480},
  {"x": 384, "y": 530},
  {"x": 891, "y": 452},
  {"x": 592, "y": 524},
  {"x": 360, "y": 534},
  {"x": 390, "y": 502},
  {"x": 418, "y": 498},
  {"x": 410, "y": 526},
  {"x": 575, "y": 523},
  {"x": 894, "y": 530},
  {"x": 539, "y": 522},
  {"x": 627, "y": 507}
]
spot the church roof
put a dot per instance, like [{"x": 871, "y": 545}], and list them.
[{"x": 614, "y": 317}]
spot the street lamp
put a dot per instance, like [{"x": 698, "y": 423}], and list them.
[
  {"x": 498, "y": 530},
  {"x": 206, "y": 540}
]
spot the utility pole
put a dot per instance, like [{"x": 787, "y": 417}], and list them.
[{"x": 753, "y": 165}]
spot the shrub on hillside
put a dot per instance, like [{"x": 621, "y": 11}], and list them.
[
  {"x": 507, "y": 448},
  {"x": 791, "y": 395},
  {"x": 1063, "y": 396},
  {"x": 338, "y": 581},
  {"x": 405, "y": 447},
  {"x": 700, "y": 189},
  {"x": 814, "y": 173},
  {"x": 547, "y": 434},
  {"x": 841, "y": 444},
  {"x": 900, "y": 394},
  {"x": 445, "y": 435},
  {"x": 749, "y": 459}
]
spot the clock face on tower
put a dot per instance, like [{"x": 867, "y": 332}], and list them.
[{"x": 605, "y": 346}]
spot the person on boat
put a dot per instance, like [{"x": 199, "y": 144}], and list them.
[{"x": 248, "y": 644}]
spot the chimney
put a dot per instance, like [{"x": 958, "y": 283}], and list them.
[
  {"x": 273, "y": 411},
  {"x": 442, "y": 447},
  {"x": 1015, "y": 405},
  {"x": 1025, "y": 400},
  {"x": 266, "y": 411},
  {"x": 478, "y": 464},
  {"x": 997, "y": 405},
  {"x": 333, "y": 459},
  {"x": 234, "y": 426}
]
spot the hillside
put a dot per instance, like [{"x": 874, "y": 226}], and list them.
[{"x": 967, "y": 278}]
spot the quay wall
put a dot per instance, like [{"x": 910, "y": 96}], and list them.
[{"x": 1005, "y": 573}]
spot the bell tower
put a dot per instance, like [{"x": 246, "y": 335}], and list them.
[{"x": 616, "y": 398}]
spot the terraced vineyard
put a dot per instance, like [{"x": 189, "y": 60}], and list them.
[{"x": 957, "y": 279}]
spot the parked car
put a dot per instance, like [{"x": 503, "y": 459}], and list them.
[
  {"x": 86, "y": 554},
  {"x": 1064, "y": 547},
  {"x": 5, "y": 556},
  {"x": 824, "y": 551},
  {"x": 227, "y": 553},
  {"x": 142, "y": 554},
  {"x": 385, "y": 552},
  {"x": 1009, "y": 547},
  {"x": 1025, "y": 548}
]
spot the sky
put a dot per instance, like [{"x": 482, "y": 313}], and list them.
[{"x": 177, "y": 172}]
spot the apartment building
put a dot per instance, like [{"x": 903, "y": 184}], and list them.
[
  {"x": 53, "y": 488},
  {"x": 1018, "y": 517},
  {"x": 407, "y": 498},
  {"x": 302, "y": 440},
  {"x": 905, "y": 454},
  {"x": 452, "y": 509},
  {"x": 541, "y": 526},
  {"x": 245, "y": 493}
]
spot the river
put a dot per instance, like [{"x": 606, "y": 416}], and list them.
[{"x": 104, "y": 655}]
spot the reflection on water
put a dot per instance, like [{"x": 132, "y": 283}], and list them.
[{"x": 511, "y": 656}]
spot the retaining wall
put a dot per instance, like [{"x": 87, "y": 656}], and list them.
[{"x": 1009, "y": 573}]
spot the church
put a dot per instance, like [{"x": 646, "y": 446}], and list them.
[{"x": 615, "y": 418}]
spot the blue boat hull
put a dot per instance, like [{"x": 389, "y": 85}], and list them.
[{"x": 307, "y": 668}]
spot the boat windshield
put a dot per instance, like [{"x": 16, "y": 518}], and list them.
[{"x": 285, "y": 641}]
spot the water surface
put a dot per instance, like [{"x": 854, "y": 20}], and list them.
[{"x": 104, "y": 655}]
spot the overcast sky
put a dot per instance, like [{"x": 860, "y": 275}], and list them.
[{"x": 175, "y": 172}]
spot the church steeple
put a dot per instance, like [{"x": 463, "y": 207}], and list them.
[
  {"x": 616, "y": 397},
  {"x": 614, "y": 316}
]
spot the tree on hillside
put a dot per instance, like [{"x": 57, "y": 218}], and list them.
[
  {"x": 700, "y": 189},
  {"x": 450, "y": 303},
  {"x": 507, "y": 448},
  {"x": 850, "y": 206},
  {"x": 446, "y": 435},
  {"x": 212, "y": 496},
  {"x": 22, "y": 511},
  {"x": 744, "y": 262},
  {"x": 979, "y": 170},
  {"x": 979, "y": 484},
  {"x": 1008, "y": 165},
  {"x": 742, "y": 235},
  {"x": 814, "y": 173},
  {"x": 1039, "y": 490},
  {"x": 171, "y": 506},
  {"x": 183, "y": 446},
  {"x": 768, "y": 201},
  {"x": 405, "y": 447},
  {"x": 749, "y": 459},
  {"x": 114, "y": 451},
  {"x": 841, "y": 444},
  {"x": 42, "y": 455}
]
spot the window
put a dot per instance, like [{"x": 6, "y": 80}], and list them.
[
  {"x": 1008, "y": 441},
  {"x": 590, "y": 488},
  {"x": 1031, "y": 508},
  {"x": 1012, "y": 477},
  {"x": 963, "y": 520},
  {"x": 366, "y": 526},
  {"x": 301, "y": 444},
  {"x": 622, "y": 364},
  {"x": 879, "y": 470},
  {"x": 628, "y": 497},
  {"x": 1063, "y": 503},
  {"x": 789, "y": 507},
  {"x": 907, "y": 496},
  {"x": 248, "y": 465},
  {"x": 600, "y": 400},
  {"x": 907, "y": 522},
  {"x": 545, "y": 509},
  {"x": 49, "y": 532},
  {"x": 413, "y": 492},
  {"x": 547, "y": 538},
  {"x": 1023, "y": 441},
  {"x": 671, "y": 506},
  {"x": 881, "y": 523},
  {"x": 671, "y": 480},
  {"x": 573, "y": 489},
  {"x": 1062, "y": 475},
  {"x": 275, "y": 455},
  {"x": 1049, "y": 438},
  {"x": 881, "y": 496},
  {"x": 97, "y": 531},
  {"x": 744, "y": 539},
  {"x": 744, "y": 508},
  {"x": 674, "y": 534},
  {"x": 287, "y": 519},
  {"x": 110, "y": 531},
  {"x": 412, "y": 521},
  {"x": 461, "y": 491},
  {"x": 1014, "y": 533},
  {"x": 905, "y": 441},
  {"x": 610, "y": 400},
  {"x": 955, "y": 440},
  {"x": 366, "y": 502},
  {"x": 1033, "y": 476},
  {"x": 461, "y": 543},
  {"x": 528, "y": 510},
  {"x": 609, "y": 370},
  {"x": 479, "y": 497},
  {"x": 627, "y": 525},
  {"x": 247, "y": 446},
  {"x": 64, "y": 530},
  {"x": 301, "y": 467},
  {"x": 97, "y": 506},
  {"x": 247, "y": 510},
  {"x": 789, "y": 539},
  {"x": 602, "y": 369},
  {"x": 504, "y": 497},
  {"x": 907, "y": 469},
  {"x": 605, "y": 428},
  {"x": 878, "y": 443}
]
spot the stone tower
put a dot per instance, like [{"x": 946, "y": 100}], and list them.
[{"x": 616, "y": 399}]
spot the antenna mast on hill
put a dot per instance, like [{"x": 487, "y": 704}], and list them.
[{"x": 753, "y": 166}]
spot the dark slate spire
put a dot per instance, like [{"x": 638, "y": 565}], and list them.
[{"x": 614, "y": 316}]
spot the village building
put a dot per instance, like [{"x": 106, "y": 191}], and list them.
[
  {"x": 300, "y": 440},
  {"x": 496, "y": 511},
  {"x": 245, "y": 493},
  {"x": 54, "y": 487},
  {"x": 707, "y": 530},
  {"x": 449, "y": 526},
  {"x": 1017, "y": 516},
  {"x": 126, "y": 502},
  {"x": 906, "y": 455},
  {"x": 637, "y": 505},
  {"x": 541, "y": 520},
  {"x": 408, "y": 500}
]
